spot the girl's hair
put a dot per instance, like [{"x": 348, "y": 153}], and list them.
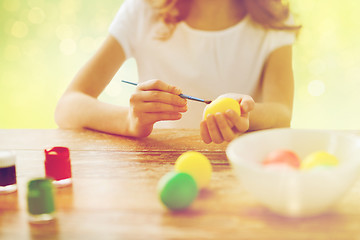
[{"x": 270, "y": 14}]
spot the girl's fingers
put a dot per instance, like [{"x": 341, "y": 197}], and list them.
[
  {"x": 204, "y": 132},
  {"x": 158, "y": 107},
  {"x": 158, "y": 85},
  {"x": 244, "y": 123},
  {"x": 241, "y": 123},
  {"x": 225, "y": 130},
  {"x": 223, "y": 127},
  {"x": 157, "y": 96},
  {"x": 247, "y": 104},
  {"x": 229, "y": 122},
  {"x": 213, "y": 129}
]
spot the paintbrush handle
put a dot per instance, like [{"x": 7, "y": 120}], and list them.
[
  {"x": 132, "y": 83},
  {"x": 191, "y": 98},
  {"x": 181, "y": 95}
]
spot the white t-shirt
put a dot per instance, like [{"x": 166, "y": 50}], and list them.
[{"x": 204, "y": 64}]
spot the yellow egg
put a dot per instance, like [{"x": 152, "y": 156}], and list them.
[
  {"x": 318, "y": 159},
  {"x": 197, "y": 165},
  {"x": 221, "y": 105}
]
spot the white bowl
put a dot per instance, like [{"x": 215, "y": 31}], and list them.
[{"x": 289, "y": 192}]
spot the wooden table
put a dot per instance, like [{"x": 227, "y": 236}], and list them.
[{"x": 114, "y": 195}]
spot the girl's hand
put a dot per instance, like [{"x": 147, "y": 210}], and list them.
[
  {"x": 154, "y": 101},
  {"x": 226, "y": 126}
]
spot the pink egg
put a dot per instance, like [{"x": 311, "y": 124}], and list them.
[{"x": 282, "y": 156}]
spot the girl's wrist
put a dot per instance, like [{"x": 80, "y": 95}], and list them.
[{"x": 134, "y": 129}]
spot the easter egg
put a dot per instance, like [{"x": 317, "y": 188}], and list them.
[
  {"x": 319, "y": 159},
  {"x": 281, "y": 156},
  {"x": 177, "y": 190},
  {"x": 197, "y": 165},
  {"x": 221, "y": 105}
]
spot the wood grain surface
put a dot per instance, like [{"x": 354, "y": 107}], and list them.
[{"x": 114, "y": 194}]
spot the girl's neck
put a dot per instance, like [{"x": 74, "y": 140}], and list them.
[{"x": 213, "y": 15}]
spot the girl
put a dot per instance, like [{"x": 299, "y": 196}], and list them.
[{"x": 204, "y": 48}]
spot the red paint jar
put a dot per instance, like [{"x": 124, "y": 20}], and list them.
[{"x": 58, "y": 166}]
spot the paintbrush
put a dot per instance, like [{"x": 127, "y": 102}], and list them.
[{"x": 180, "y": 95}]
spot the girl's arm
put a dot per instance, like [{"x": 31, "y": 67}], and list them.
[
  {"x": 275, "y": 110},
  {"x": 80, "y": 108}
]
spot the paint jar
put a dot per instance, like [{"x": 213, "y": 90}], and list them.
[
  {"x": 7, "y": 172},
  {"x": 58, "y": 166},
  {"x": 40, "y": 200}
]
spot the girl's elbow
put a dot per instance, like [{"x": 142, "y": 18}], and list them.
[
  {"x": 286, "y": 123},
  {"x": 59, "y": 116},
  {"x": 62, "y": 115},
  {"x": 286, "y": 117}
]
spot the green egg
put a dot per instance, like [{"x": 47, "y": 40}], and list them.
[{"x": 177, "y": 190}]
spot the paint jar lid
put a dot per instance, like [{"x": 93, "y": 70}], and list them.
[
  {"x": 7, "y": 159},
  {"x": 57, "y": 154},
  {"x": 57, "y": 163},
  {"x": 40, "y": 196}
]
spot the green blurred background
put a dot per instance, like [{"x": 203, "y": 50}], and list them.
[{"x": 43, "y": 43}]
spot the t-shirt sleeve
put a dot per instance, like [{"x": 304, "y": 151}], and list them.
[
  {"x": 279, "y": 38},
  {"x": 128, "y": 24}
]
